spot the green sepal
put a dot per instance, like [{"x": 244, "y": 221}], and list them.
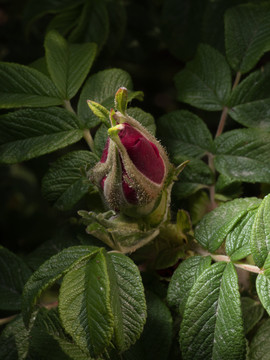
[
  {"x": 121, "y": 100},
  {"x": 100, "y": 111}
]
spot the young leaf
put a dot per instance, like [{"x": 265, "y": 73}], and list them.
[
  {"x": 14, "y": 340},
  {"x": 29, "y": 133},
  {"x": 129, "y": 316},
  {"x": 23, "y": 86},
  {"x": 155, "y": 341},
  {"x": 216, "y": 225},
  {"x": 66, "y": 182},
  {"x": 14, "y": 273},
  {"x": 252, "y": 313},
  {"x": 260, "y": 234},
  {"x": 184, "y": 133},
  {"x": 101, "y": 88},
  {"x": 84, "y": 305},
  {"x": 212, "y": 326},
  {"x": 183, "y": 280},
  {"x": 238, "y": 239},
  {"x": 68, "y": 64},
  {"x": 206, "y": 81},
  {"x": 260, "y": 344},
  {"x": 49, "y": 272},
  {"x": 247, "y": 35},
  {"x": 244, "y": 155}
]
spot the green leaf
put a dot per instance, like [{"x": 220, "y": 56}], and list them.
[
  {"x": 93, "y": 24},
  {"x": 101, "y": 88},
  {"x": 184, "y": 133},
  {"x": 244, "y": 155},
  {"x": 100, "y": 139},
  {"x": 40, "y": 65},
  {"x": 255, "y": 114},
  {"x": 260, "y": 344},
  {"x": 181, "y": 17},
  {"x": 155, "y": 341},
  {"x": 256, "y": 86},
  {"x": 128, "y": 306},
  {"x": 260, "y": 234},
  {"x": 196, "y": 175},
  {"x": 238, "y": 239},
  {"x": 212, "y": 326},
  {"x": 48, "y": 339},
  {"x": 68, "y": 64},
  {"x": 216, "y": 225},
  {"x": 65, "y": 21},
  {"x": 14, "y": 340},
  {"x": 49, "y": 272},
  {"x": 84, "y": 304},
  {"x": 183, "y": 280},
  {"x": 252, "y": 313},
  {"x": 206, "y": 81},
  {"x": 66, "y": 181},
  {"x": 29, "y": 133},
  {"x": 263, "y": 290},
  {"x": 23, "y": 86},
  {"x": 34, "y": 10},
  {"x": 14, "y": 273},
  {"x": 247, "y": 35}
]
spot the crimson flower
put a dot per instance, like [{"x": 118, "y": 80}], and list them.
[{"x": 133, "y": 168}]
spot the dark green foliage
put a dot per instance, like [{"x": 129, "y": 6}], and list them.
[{"x": 72, "y": 297}]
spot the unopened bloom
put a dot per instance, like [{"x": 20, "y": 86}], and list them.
[{"x": 133, "y": 167}]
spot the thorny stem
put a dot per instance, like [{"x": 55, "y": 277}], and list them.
[
  {"x": 7, "y": 319},
  {"x": 86, "y": 133},
  {"x": 88, "y": 138},
  {"x": 224, "y": 113},
  {"x": 247, "y": 267},
  {"x": 212, "y": 187}
]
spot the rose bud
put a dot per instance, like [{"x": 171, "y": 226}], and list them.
[{"x": 133, "y": 167}]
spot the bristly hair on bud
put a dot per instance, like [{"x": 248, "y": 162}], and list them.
[{"x": 134, "y": 167}]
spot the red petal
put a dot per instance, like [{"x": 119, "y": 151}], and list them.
[
  {"x": 105, "y": 151},
  {"x": 143, "y": 153}
]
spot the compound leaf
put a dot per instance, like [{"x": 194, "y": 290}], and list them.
[
  {"x": 68, "y": 64},
  {"x": 84, "y": 304},
  {"x": 50, "y": 271},
  {"x": 252, "y": 313},
  {"x": 184, "y": 133},
  {"x": 128, "y": 301},
  {"x": 212, "y": 326},
  {"x": 206, "y": 81},
  {"x": 247, "y": 35},
  {"x": 28, "y": 133},
  {"x": 238, "y": 239},
  {"x": 23, "y": 86},
  {"x": 184, "y": 278},
  {"x": 66, "y": 181},
  {"x": 14, "y": 273},
  {"x": 260, "y": 234},
  {"x": 260, "y": 344},
  {"x": 215, "y": 226},
  {"x": 244, "y": 155}
]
